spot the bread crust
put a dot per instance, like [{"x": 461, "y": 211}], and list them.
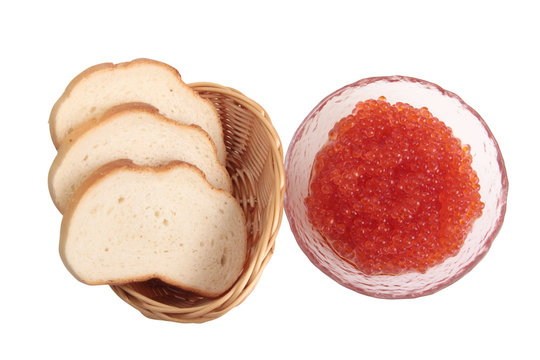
[
  {"x": 109, "y": 67},
  {"x": 119, "y": 165},
  {"x": 108, "y": 116}
]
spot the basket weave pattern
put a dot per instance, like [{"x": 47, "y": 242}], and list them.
[{"x": 255, "y": 164}]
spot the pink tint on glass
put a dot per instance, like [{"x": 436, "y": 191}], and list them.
[{"x": 466, "y": 124}]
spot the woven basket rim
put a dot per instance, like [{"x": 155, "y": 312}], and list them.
[{"x": 251, "y": 274}]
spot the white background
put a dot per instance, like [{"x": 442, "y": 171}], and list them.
[{"x": 287, "y": 56}]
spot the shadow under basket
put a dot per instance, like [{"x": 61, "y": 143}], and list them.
[{"x": 255, "y": 164}]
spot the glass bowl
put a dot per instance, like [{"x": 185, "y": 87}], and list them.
[{"x": 466, "y": 124}]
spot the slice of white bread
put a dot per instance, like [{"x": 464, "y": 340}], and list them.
[
  {"x": 102, "y": 86},
  {"x": 129, "y": 223},
  {"x": 133, "y": 131}
]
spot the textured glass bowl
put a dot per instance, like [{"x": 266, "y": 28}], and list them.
[{"x": 466, "y": 124}]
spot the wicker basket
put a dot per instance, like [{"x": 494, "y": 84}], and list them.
[{"x": 255, "y": 163}]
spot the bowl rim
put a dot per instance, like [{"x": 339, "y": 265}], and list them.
[{"x": 504, "y": 184}]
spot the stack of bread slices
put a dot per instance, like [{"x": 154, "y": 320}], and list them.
[{"x": 141, "y": 182}]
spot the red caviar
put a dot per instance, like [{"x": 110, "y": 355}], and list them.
[{"x": 393, "y": 190}]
